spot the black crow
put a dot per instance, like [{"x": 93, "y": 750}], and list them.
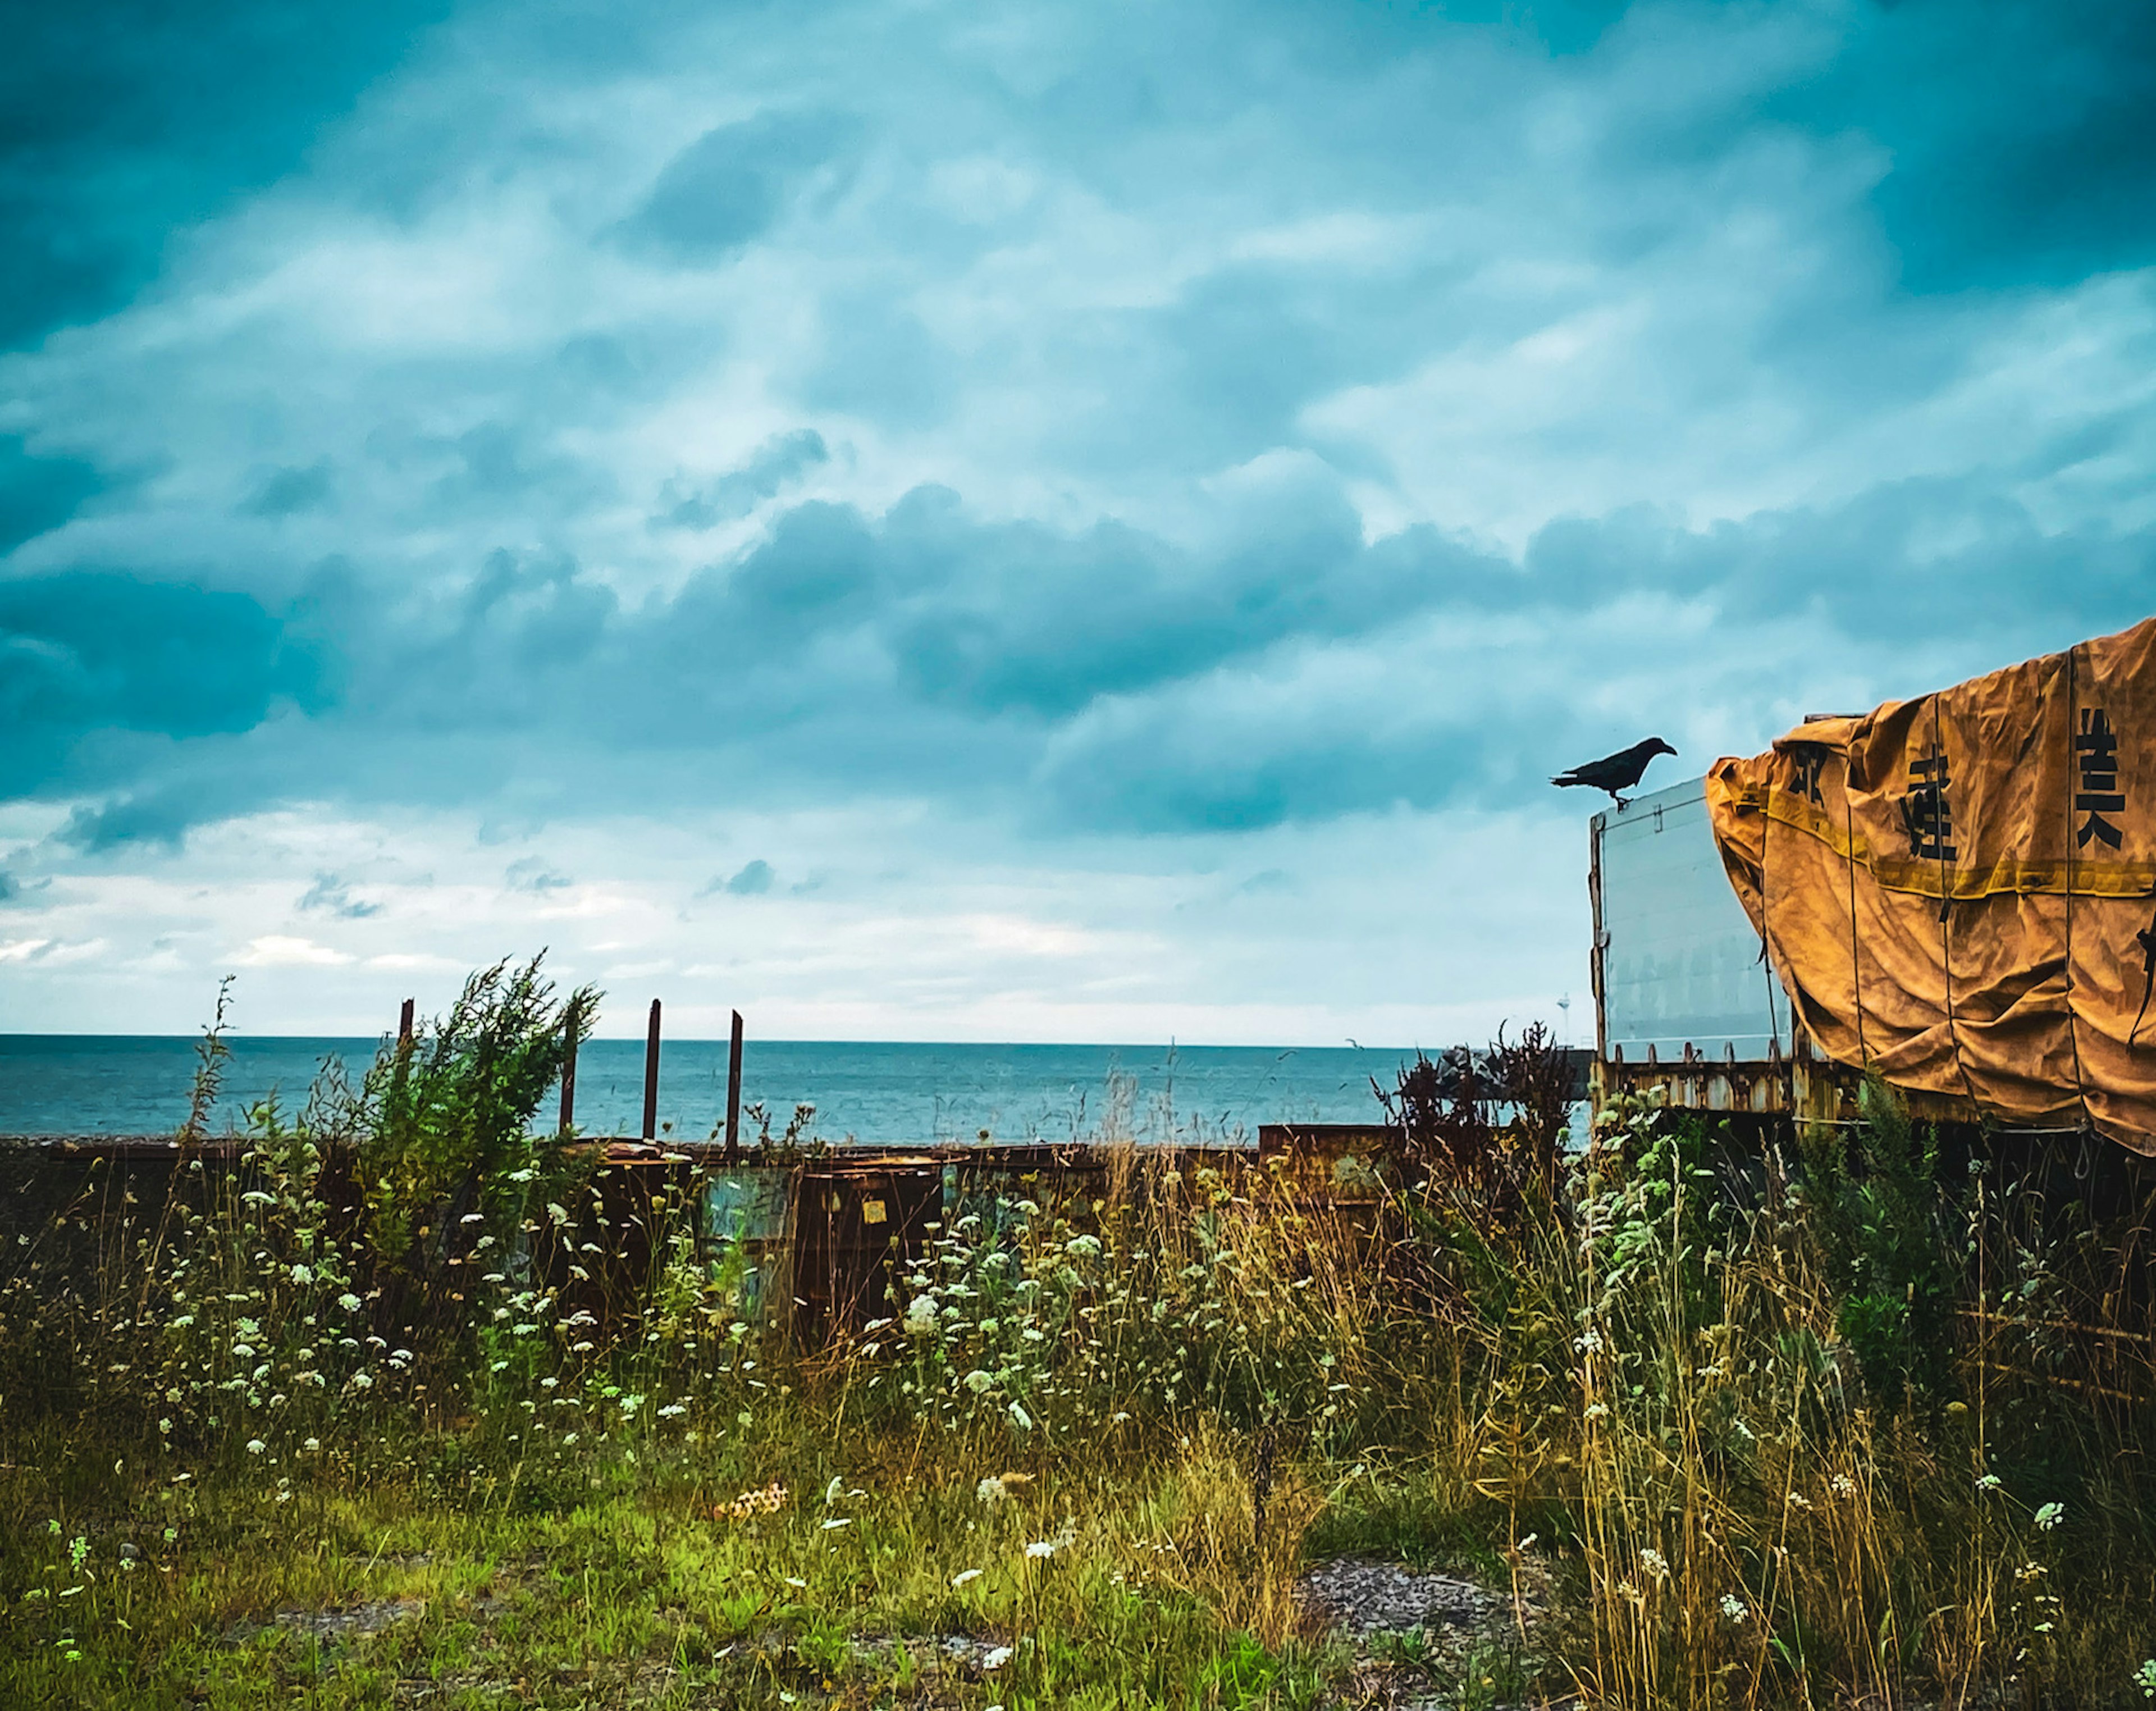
[{"x": 1616, "y": 772}]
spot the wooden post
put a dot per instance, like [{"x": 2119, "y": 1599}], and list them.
[
  {"x": 733, "y": 1093},
  {"x": 404, "y": 1023},
  {"x": 569, "y": 1067},
  {"x": 651, "y": 1077}
]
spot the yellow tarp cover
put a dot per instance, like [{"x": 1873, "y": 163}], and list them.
[{"x": 1960, "y": 891}]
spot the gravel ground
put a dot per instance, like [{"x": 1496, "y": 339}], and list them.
[
  {"x": 1361, "y": 1598},
  {"x": 1450, "y": 1625}
]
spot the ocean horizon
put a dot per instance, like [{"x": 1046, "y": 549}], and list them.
[{"x": 879, "y": 1093}]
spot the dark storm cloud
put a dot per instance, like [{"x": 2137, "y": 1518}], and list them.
[
  {"x": 331, "y": 895},
  {"x": 39, "y": 493},
  {"x": 288, "y": 491},
  {"x": 1876, "y": 563},
  {"x": 534, "y": 875},
  {"x": 2021, "y": 145},
  {"x": 1107, "y": 678},
  {"x": 128, "y": 119},
  {"x": 153, "y": 817},
  {"x": 1189, "y": 281},
  {"x": 734, "y": 182},
  {"x": 752, "y": 881},
  {"x": 87, "y": 654},
  {"x": 777, "y": 464}
]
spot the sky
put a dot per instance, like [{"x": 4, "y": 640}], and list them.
[{"x": 1006, "y": 521}]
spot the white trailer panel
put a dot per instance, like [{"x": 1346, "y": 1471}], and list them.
[{"x": 1678, "y": 969}]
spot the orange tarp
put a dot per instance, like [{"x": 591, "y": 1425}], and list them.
[{"x": 1960, "y": 891}]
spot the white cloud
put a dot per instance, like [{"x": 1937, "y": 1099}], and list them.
[{"x": 276, "y": 950}]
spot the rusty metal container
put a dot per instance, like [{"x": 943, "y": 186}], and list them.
[{"x": 859, "y": 1227}]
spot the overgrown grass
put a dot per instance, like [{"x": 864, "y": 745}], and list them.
[{"x": 1746, "y": 1430}]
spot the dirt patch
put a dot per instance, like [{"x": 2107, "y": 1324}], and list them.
[{"x": 354, "y": 1622}]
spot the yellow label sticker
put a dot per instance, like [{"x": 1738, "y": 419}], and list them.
[{"x": 872, "y": 1212}]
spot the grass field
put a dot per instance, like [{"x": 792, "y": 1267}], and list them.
[{"x": 1846, "y": 1421}]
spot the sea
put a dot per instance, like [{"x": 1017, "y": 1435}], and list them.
[{"x": 885, "y": 1095}]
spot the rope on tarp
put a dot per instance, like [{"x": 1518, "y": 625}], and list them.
[
  {"x": 2066, "y": 773},
  {"x": 1855, "y": 957},
  {"x": 1946, "y": 909}
]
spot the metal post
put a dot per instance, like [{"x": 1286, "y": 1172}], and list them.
[
  {"x": 569, "y": 1067},
  {"x": 733, "y": 1093},
  {"x": 404, "y": 1023},
  {"x": 651, "y": 1077}
]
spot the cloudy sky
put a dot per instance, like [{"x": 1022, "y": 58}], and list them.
[{"x": 1022, "y": 521}]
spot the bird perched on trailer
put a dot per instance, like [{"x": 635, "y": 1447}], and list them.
[{"x": 1615, "y": 772}]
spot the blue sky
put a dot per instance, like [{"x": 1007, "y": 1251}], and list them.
[{"x": 1045, "y": 521}]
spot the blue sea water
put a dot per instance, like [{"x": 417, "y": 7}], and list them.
[{"x": 883, "y": 1095}]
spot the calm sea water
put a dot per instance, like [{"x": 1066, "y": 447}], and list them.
[{"x": 881, "y": 1094}]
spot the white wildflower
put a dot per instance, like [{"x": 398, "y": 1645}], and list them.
[
  {"x": 349, "y": 1302},
  {"x": 255, "y": 1446},
  {"x": 833, "y": 1526},
  {"x": 920, "y": 1316},
  {"x": 995, "y": 1658},
  {"x": 1655, "y": 1562},
  {"x": 991, "y": 1490},
  {"x": 2050, "y": 1516},
  {"x": 979, "y": 1382},
  {"x": 1019, "y": 1417},
  {"x": 1733, "y": 1608},
  {"x": 965, "y": 1574}
]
